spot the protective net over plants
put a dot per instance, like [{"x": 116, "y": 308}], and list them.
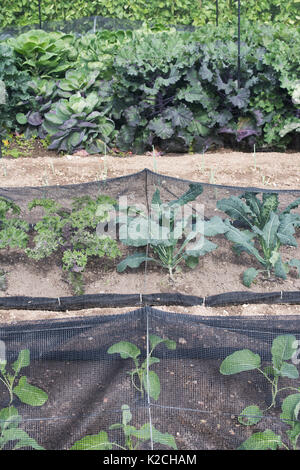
[
  {"x": 147, "y": 239},
  {"x": 171, "y": 382}
]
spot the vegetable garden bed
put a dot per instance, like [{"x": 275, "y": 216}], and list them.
[{"x": 40, "y": 278}]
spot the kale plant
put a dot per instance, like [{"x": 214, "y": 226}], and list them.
[
  {"x": 10, "y": 419},
  {"x": 173, "y": 236},
  {"x": 265, "y": 230},
  {"x": 284, "y": 349},
  {"x": 73, "y": 233}
]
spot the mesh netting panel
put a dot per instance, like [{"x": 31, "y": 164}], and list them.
[
  {"x": 84, "y": 25},
  {"x": 218, "y": 273},
  {"x": 197, "y": 405}
]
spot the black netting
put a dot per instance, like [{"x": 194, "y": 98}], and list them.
[
  {"x": 216, "y": 280},
  {"x": 197, "y": 405}
]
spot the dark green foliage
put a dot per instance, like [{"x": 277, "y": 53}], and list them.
[
  {"x": 176, "y": 90},
  {"x": 264, "y": 230},
  {"x": 16, "y": 84}
]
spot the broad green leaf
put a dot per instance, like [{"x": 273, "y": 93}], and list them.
[
  {"x": 9, "y": 418},
  {"x": 133, "y": 261},
  {"x": 21, "y": 118},
  {"x": 270, "y": 230},
  {"x": 290, "y": 408},
  {"x": 125, "y": 349},
  {"x": 266, "y": 440},
  {"x": 151, "y": 384},
  {"x": 200, "y": 248},
  {"x": 30, "y": 394},
  {"x": 162, "y": 129},
  {"x": 155, "y": 340},
  {"x": 249, "y": 276},
  {"x": 94, "y": 442},
  {"x": 286, "y": 229},
  {"x": 289, "y": 370},
  {"x": 240, "y": 361},
  {"x": 24, "y": 440},
  {"x": 283, "y": 347},
  {"x": 214, "y": 226},
  {"x": 165, "y": 439},
  {"x": 146, "y": 432},
  {"x": 250, "y": 415},
  {"x": 22, "y": 361},
  {"x": 243, "y": 240},
  {"x": 236, "y": 209}
]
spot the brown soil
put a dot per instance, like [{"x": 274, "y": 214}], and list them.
[{"x": 268, "y": 170}]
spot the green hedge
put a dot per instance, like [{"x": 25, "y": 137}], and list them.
[{"x": 196, "y": 12}]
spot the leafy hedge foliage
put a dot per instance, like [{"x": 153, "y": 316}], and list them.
[
  {"x": 176, "y": 90},
  {"x": 196, "y": 12}
]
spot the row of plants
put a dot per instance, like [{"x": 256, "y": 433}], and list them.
[
  {"x": 146, "y": 382},
  {"x": 187, "y": 12},
  {"x": 134, "y": 90},
  {"x": 168, "y": 236}
]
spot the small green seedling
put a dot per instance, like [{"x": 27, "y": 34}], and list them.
[
  {"x": 133, "y": 437},
  {"x": 18, "y": 385},
  {"x": 284, "y": 348},
  {"x": 143, "y": 379}
]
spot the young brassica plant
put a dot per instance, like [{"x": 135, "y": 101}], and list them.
[
  {"x": 264, "y": 230},
  {"x": 18, "y": 385},
  {"x": 133, "y": 437},
  {"x": 284, "y": 349},
  {"x": 147, "y": 380},
  {"x": 172, "y": 235}
]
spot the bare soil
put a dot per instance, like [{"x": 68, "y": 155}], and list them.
[{"x": 41, "y": 167}]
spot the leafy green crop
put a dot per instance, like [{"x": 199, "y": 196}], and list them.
[
  {"x": 16, "y": 85},
  {"x": 44, "y": 54},
  {"x": 76, "y": 123},
  {"x": 133, "y": 437},
  {"x": 18, "y": 385},
  {"x": 147, "y": 380},
  {"x": 266, "y": 230},
  {"x": 173, "y": 236},
  {"x": 284, "y": 348},
  {"x": 73, "y": 233}
]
